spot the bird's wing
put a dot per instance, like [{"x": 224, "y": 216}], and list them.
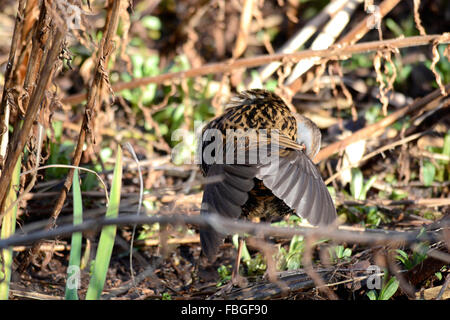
[
  {"x": 289, "y": 174},
  {"x": 295, "y": 179},
  {"x": 224, "y": 194}
]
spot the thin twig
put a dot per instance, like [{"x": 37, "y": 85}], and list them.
[
  {"x": 342, "y": 52},
  {"x": 231, "y": 226},
  {"x": 141, "y": 196},
  {"x": 307, "y": 263},
  {"x": 444, "y": 287}
]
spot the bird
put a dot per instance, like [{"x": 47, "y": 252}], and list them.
[{"x": 263, "y": 188}]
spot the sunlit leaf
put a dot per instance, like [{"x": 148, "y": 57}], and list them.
[
  {"x": 107, "y": 236},
  {"x": 428, "y": 172}
]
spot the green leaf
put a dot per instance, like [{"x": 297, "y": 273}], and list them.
[
  {"x": 446, "y": 149},
  {"x": 224, "y": 273},
  {"x": 402, "y": 256},
  {"x": 166, "y": 296},
  {"x": 75, "y": 245},
  {"x": 339, "y": 251},
  {"x": 389, "y": 289},
  {"x": 347, "y": 253},
  {"x": 296, "y": 244},
  {"x": 372, "y": 294},
  {"x": 367, "y": 186},
  {"x": 428, "y": 171},
  {"x": 151, "y": 22},
  {"x": 107, "y": 236},
  {"x": 294, "y": 255},
  {"x": 356, "y": 185},
  {"x": 394, "y": 27},
  {"x": 294, "y": 261}
]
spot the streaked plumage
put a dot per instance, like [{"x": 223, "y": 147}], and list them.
[{"x": 266, "y": 190}]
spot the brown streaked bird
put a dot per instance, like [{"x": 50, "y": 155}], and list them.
[{"x": 266, "y": 189}]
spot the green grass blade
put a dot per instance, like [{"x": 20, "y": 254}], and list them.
[
  {"x": 107, "y": 235},
  {"x": 73, "y": 271},
  {"x": 356, "y": 184},
  {"x": 446, "y": 149},
  {"x": 8, "y": 229}
]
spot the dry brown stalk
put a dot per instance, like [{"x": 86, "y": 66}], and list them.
[
  {"x": 436, "y": 59},
  {"x": 93, "y": 102},
  {"x": 157, "y": 242},
  {"x": 417, "y": 18},
  {"x": 94, "y": 94},
  {"x": 11, "y": 61},
  {"x": 366, "y": 25},
  {"x": 341, "y": 52},
  {"x": 20, "y": 137}
]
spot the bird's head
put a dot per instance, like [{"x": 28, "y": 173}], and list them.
[{"x": 308, "y": 134}]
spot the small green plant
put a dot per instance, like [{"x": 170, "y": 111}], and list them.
[
  {"x": 224, "y": 273},
  {"x": 255, "y": 265},
  {"x": 153, "y": 25},
  {"x": 142, "y": 67},
  {"x": 292, "y": 221},
  {"x": 358, "y": 187},
  {"x": 166, "y": 296},
  {"x": 386, "y": 292},
  {"x": 410, "y": 261},
  {"x": 107, "y": 236},
  {"x": 404, "y": 28},
  {"x": 291, "y": 259},
  {"x": 443, "y": 169},
  {"x": 373, "y": 217},
  {"x": 439, "y": 275},
  {"x": 437, "y": 170},
  {"x": 338, "y": 253},
  {"x": 369, "y": 216}
]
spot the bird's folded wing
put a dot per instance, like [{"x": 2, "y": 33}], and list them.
[
  {"x": 224, "y": 196},
  {"x": 295, "y": 179}
]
